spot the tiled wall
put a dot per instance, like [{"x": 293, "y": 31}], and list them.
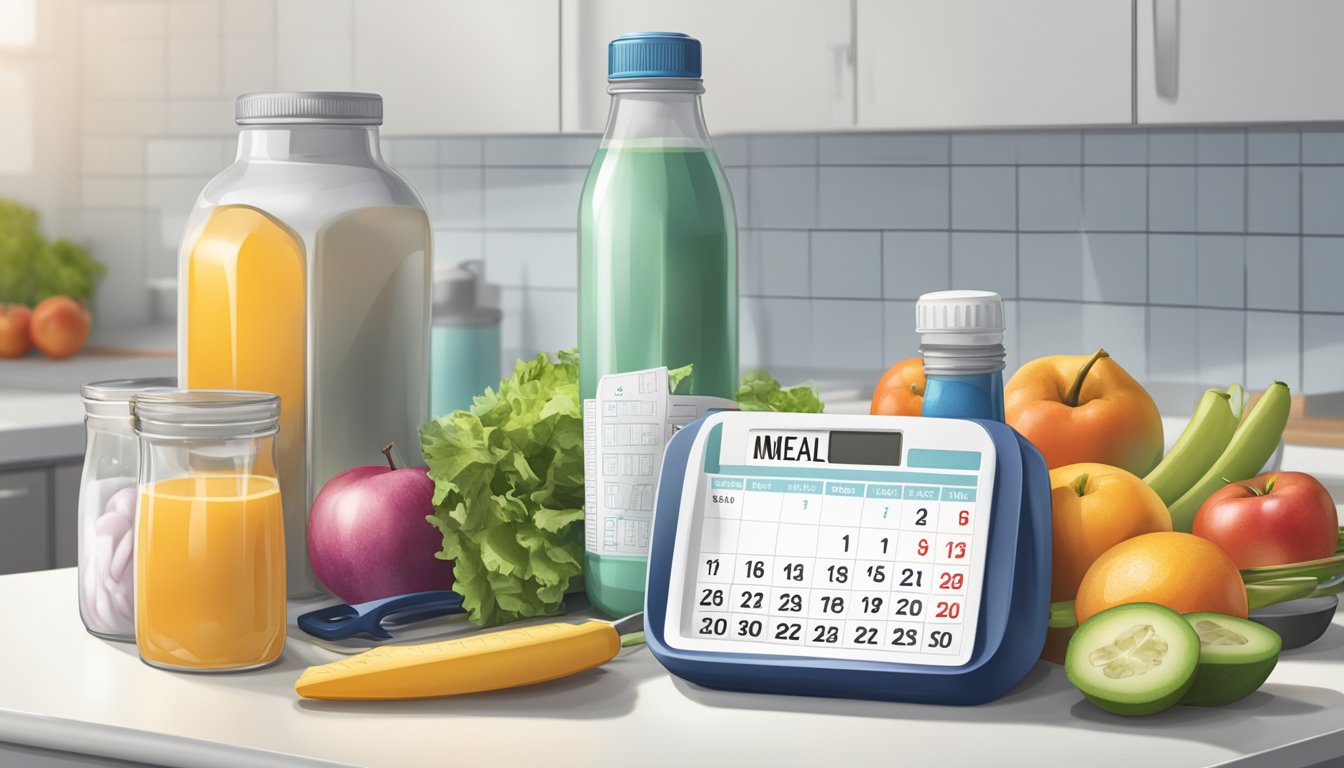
[{"x": 1197, "y": 257}]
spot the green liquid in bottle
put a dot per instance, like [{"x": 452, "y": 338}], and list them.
[{"x": 657, "y": 286}]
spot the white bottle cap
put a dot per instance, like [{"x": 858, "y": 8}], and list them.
[{"x": 960, "y": 318}]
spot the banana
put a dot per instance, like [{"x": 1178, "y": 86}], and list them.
[
  {"x": 1251, "y": 446},
  {"x": 1202, "y": 442}
]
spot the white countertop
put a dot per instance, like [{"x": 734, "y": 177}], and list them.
[
  {"x": 61, "y": 688},
  {"x": 41, "y": 417}
]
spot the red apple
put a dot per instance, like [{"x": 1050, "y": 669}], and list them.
[
  {"x": 368, "y": 537},
  {"x": 14, "y": 338},
  {"x": 1271, "y": 519}
]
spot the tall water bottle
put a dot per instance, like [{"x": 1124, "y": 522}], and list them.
[
  {"x": 961, "y": 340},
  {"x": 657, "y": 258}
]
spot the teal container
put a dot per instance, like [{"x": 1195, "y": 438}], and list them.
[
  {"x": 961, "y": 341},
  {"x": 657, "y": 255},
  {"x": 463, "y": 341}
]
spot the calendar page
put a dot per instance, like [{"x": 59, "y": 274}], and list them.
[{"x": 844, "y": 542}]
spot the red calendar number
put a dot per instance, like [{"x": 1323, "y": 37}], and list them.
[
  {"x": 923, "y": 548},
  {"x": 956, "y": 549},
  {"x": 964, "y": 517},
  {"x": 951, "y": 580},
  {"x": 948, "y": 610}
]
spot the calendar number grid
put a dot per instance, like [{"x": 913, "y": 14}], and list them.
[{"x": 818, "y": 564}]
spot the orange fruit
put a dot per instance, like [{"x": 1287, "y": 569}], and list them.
[
  {"x": 1095, "y": 507},
  {"x": 59, "y": 326},
  {"x": 900, "y": 391},
  {"x": 1076, "y": 408},
  {"x": 1178, "y": 570}
]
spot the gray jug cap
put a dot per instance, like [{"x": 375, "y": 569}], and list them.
[
  {"x": 314, "y": 107},
  {"x": 457, "y": 297}
]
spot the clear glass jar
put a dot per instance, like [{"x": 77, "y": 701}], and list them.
[
  {"x": 210, "y": 538},
  {"x": 105, "y": 530}
]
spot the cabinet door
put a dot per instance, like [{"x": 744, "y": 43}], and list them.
[
  {"x": 25, "y": 539},
  {"x": 994, "y": 63},
  {"x": 1211, "y": 61},
  {"x": 460, "y": 66},
  {"x": 65, "y": 513},
  {"x": 769, "y": 65}
]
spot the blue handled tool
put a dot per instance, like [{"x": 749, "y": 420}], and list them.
[{"x": 338, "y": 622}]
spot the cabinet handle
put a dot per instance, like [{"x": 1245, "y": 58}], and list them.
[
  {"x": 13, "y": 493},
  {"x": 843, "y": 57},
  {"x": 1166, "y": 47}
]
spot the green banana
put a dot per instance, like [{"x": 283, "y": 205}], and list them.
[
  {"x": 1251, "y": 446},
  {"x": 1236, "y": 398},
  {"x": 1203, "y": 441}
]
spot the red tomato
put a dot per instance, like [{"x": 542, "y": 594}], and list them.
[{"x": 1272, "y": 519}]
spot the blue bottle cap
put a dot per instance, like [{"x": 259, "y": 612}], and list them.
[{"x": 653, "y": 54}]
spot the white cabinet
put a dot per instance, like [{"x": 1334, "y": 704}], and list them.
[
  {"x": 994, "y": 63},
  {"x": 1214, "y": 61},
  {"x": 769, "y": 65},
  {"x": 460, "y": 66}
]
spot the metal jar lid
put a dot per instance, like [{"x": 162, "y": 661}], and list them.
[{"x": 205, "y": 413}]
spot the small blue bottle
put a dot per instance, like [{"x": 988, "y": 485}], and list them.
[
  {"x": 961, "y": 340},
  {"x": 464, "y": 340}
]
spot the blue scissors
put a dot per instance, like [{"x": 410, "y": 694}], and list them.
[{"x": 339, "y": 622}]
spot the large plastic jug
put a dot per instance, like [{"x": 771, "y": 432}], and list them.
[{"x": 305, "y": 271}]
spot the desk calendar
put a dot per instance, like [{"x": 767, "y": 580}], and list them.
[{"x": 875, "y": 557}]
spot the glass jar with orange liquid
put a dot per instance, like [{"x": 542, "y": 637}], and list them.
[{"x": 210, "y": 535}]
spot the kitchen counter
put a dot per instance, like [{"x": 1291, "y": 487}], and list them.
[
  {"x": 41, "y": 417},
  {"x": 95, "y": 702}
]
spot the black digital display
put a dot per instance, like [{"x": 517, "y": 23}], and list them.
[{"x": 882, "y": 448}]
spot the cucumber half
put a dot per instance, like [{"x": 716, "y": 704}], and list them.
[
  {"x": 1235, "y": 658},
  {"x": 1134, "y": 659}
]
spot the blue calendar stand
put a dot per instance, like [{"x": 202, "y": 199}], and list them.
[{"x": 1013, "y": 601}]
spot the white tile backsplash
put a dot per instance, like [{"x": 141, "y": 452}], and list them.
[
  {"x": 899, "y": 339},
  {"x": 1221, "y": 146},
  {"x": 1272, "y": 204},
  {"x": 884, "y": 149},
  {"x": 1273, "y": 274},
  {"x": 1173, "y": 271},
  {"x": 194, "y": 67},
  {"x": 532, "y": 259},
  {"x": 1050, "y": 199},
  {"x": 783, "y": 198},
  {"x": 1220, "y": 271},
  {"x": 1114, "y": 199},
  {"x": 846, "y": 265},
  {"x": 984, "y": 198},
  {"x": 533, "y": 198},
  {"x": 985, "y": 261},
  {"x": 1050, "y": 266},
  {"x": 915, "y": 263},
  {"x": 1273, "y": 146},
  {"x": 1115, "y": 268},
  {"x": 1122, "y": 330},
  {"x": 1220, "y": 199},
  {"x": 882, "y": 197},
  {"x": 1323, "y": 274},
  {"x": 1172, "y": 147},
  {"x": 1172, "y": 199},
  {"x": 1323, "y": 200},
  {"x": 1176, "y": 248},
  {"x": 774, "y": 263},
  {"x": 846, "y": 336},
  {"x": 1322, "y": 353},
  {"x": 1115, "y": 148},
  {"x": 1221, "y": 352},
  {"x": 1272, "y": 353}
]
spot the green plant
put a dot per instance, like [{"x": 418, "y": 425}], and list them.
[{"x": 33, "y": 268}]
